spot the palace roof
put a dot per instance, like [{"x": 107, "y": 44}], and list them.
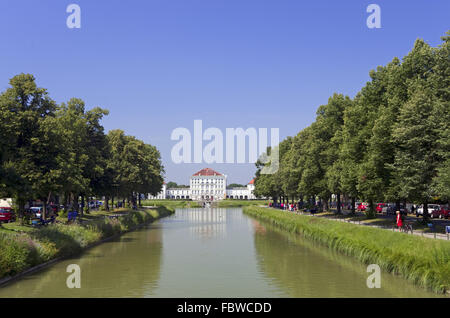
[{"x": 207, "y": 172}]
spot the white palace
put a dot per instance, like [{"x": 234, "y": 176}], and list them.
[{"x": 207, "y": 184}]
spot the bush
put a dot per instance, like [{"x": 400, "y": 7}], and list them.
[
  {"x": 21, "y": 251},
  {"x": 17, "y": 253},
  {"x": 63, "y": 213}
]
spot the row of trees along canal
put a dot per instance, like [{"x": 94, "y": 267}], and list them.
[
  {"x": 390, "y": 143},
  {"x": 60, "y": 153}
]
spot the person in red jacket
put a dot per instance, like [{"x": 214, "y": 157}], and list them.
[{"x": 399, "y": 220}]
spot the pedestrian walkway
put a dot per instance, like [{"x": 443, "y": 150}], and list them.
[{"x": 394, "y": 229}]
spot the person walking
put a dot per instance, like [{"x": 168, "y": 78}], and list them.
[{"x": 399, "y": 220}]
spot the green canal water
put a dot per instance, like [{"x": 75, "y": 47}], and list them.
[{"x": 210, "y": 253}]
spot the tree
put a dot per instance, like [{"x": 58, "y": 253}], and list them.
[
  {"x": 171, "y": 184},
  {"x": 365, "y": 147},
  {"x": 330, "y": 119},
  {"x": 440, "y": 81},
  {"x": 27, "y": 158},
  {"x": 236, "y": 185},
  {"x": 415, "y": 165},
  {"x": 137, "y": 166}
]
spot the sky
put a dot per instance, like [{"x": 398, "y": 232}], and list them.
[{"x": 159, "y": 65}]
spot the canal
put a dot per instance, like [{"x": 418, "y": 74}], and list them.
[{"x": 210, "y": 253}]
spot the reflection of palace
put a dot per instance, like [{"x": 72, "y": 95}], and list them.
[
  {"x": 207, "y": 184},
  {"x": 204, "y": 216},
  {"x": 205, "y": 222}
]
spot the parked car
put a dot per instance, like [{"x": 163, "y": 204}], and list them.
[
  {"x": 36, "y": 211},
  {"x": 7, "y": 215},
  {"x": 442, "y": 213},
  {"x": 379, "y": 207},
  {"x": 391, "y": 208},
  {"x": 362, "y": 206},
  {"x": 431, "y": 208}
]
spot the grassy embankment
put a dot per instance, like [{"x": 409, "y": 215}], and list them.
[
  {"x": 171, "y": 204},
  {"x": 230, "y": 203},
  {"x": 423, "y": 261},
  {"x": 21, "y": 249}
]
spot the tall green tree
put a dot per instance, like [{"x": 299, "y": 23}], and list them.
[
  {"x": 415, "y": 165},
  {"x": 27, "y": 159},
  {"x": 440, "y": 81}
]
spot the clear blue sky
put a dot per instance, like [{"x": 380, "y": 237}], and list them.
[{"x": 158, "y": 65}]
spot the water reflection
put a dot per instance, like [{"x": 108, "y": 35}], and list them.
[
  {"x": 205, "y": 223},
  {"x": 125, "y": 267},
  {"x": 307, "y": 269},
  {"x": 210, "y": 222}
]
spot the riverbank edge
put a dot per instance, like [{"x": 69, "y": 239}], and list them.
[
  {"x": 307, "y": 226},
  {"x": 237, "y": 203},
  {"x": 162, "y": 210}
]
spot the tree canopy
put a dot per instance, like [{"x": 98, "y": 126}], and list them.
[
  {"x": 391, "y": 142},
  {"x": 48, "y": 151}
]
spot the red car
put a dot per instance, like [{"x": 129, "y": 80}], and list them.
[
  {"x": 7, "y": 215},
  {"x": 442, "y": 213},
  {"x": 362, "y": 206},
  {"x": 379, "y": 207}
]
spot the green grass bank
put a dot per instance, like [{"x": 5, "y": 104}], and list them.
[
  {"x": 230, "y": 203},
  {"x": 172, "y": 204},
  {"x": 425, "y": 262},
  {"x": 20, "y": 251}
]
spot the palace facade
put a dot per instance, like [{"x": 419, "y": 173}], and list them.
[{"x": 207, "y": 184}]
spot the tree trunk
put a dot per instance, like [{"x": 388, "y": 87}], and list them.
[
  {"x": 44, "y": 208},
  {"x": 75, "y": 203},
  {"x": 21, "y": 204},
  {"x": 426, "y": 216},
  {"x": 47, "y": 203},
  {"x": 139, "y": 198},
  {"x": 397, "y": 206},
  {"x": 325, "y": 206},
  {"x": 338, "y": 202},
  {"x": 371, "y": 212},
  {"x": 82, "y": 205},
  {"x": 353, "y": 205}
]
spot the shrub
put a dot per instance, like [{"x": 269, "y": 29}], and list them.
[
  {"x": 17, "y": 253},
  {"x": 21, "y": 251}
]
